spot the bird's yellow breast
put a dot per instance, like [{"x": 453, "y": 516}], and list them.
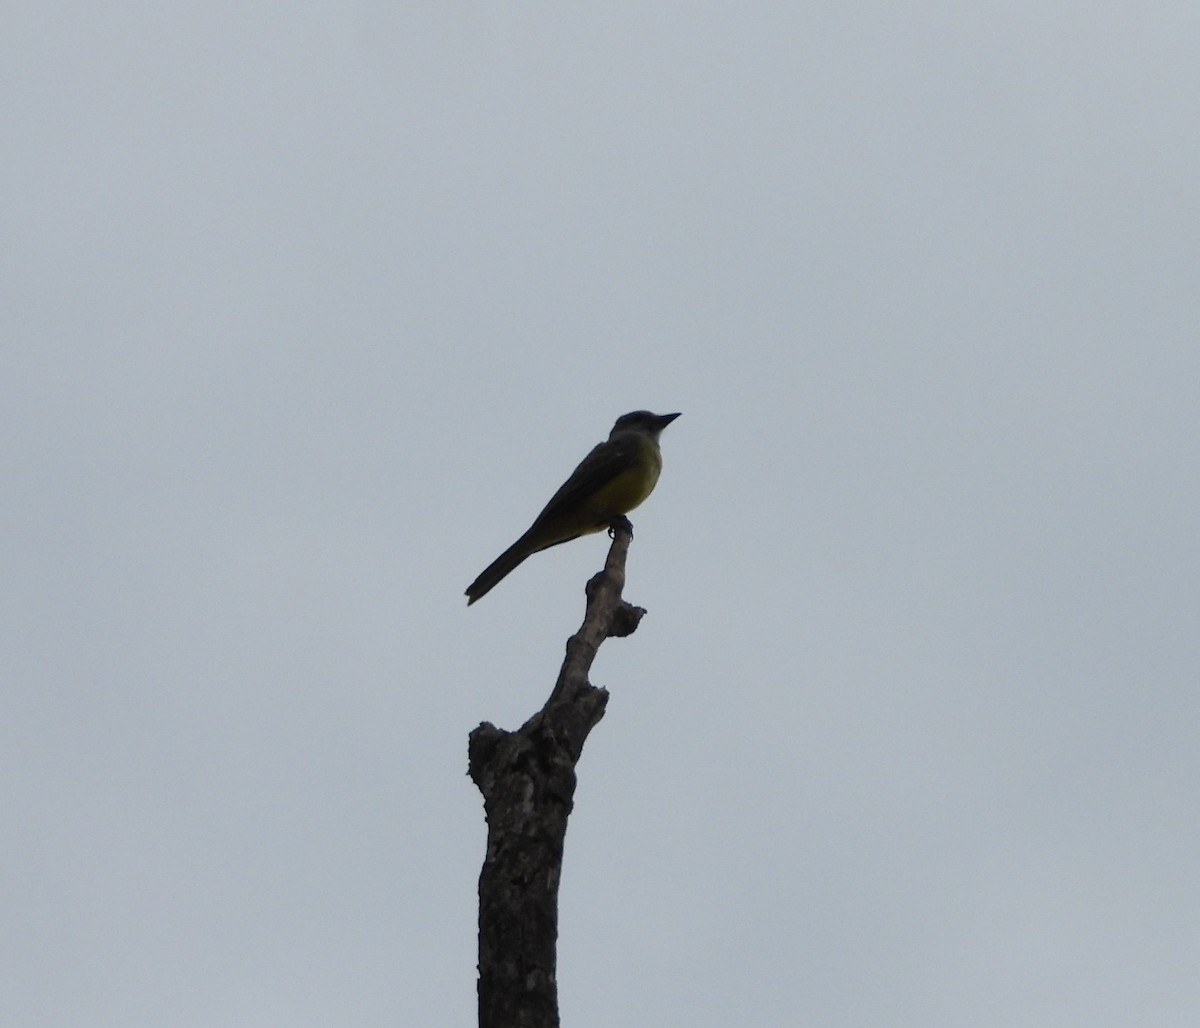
[{"x": 628, "y": 488}]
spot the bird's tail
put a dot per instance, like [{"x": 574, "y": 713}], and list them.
[{"x": 498, "y": 568}]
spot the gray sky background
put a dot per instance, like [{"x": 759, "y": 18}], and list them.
[{"x": 307, "y": 309}]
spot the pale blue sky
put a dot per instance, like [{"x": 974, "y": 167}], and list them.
[{"x": 308, "y": 309}]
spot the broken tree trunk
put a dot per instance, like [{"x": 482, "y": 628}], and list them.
[{"x": 527, "y": 778}]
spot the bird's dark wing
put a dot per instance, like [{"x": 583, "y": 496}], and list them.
[{"x": 601, "y": 466}]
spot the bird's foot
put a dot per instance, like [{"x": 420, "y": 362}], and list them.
[{"x": 620, "y": 522}]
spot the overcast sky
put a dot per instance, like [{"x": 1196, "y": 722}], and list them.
[{"x": 307, "y": 309}]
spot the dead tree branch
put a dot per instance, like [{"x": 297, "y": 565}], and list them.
[{"x": 527, "y": 778}]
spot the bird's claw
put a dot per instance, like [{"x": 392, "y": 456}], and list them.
[{"x": 622, "y": 522}]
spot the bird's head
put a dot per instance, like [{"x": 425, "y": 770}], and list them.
[{"x": 642, "y": 421}]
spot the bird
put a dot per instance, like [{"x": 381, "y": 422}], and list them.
[{"x": 610, "y": 481}]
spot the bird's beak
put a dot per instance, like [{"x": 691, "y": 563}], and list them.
[{"x": 665, "y": 419}]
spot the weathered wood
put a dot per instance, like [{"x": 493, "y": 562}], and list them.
[{"x": 527, "y": 779}]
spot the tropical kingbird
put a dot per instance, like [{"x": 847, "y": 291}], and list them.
[{"x": 609, "y": 482}]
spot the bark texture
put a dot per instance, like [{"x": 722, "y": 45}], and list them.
[{"x": 527, "y": 778}]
